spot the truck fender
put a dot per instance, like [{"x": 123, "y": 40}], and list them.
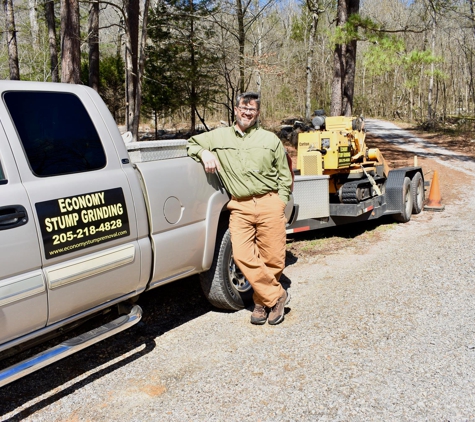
[{"x": 215, "y": 212}]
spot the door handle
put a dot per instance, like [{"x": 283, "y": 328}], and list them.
[{"x": 12, "y": 216}]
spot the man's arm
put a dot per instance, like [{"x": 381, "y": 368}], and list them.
[
  {"x": 284, "y": 176},
  {"x": 195, "y": 145},
  {"x": 198, "y": 148}
]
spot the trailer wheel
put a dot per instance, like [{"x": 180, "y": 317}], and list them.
[
  {"x": 418, "y": 194},
  {"x": 406, "y": 211},
  {"x": 223, "y": 284}
]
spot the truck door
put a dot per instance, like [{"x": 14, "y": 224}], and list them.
[
  {"x": 79, "y": 194},
  {"x": 23, "y": 300}
]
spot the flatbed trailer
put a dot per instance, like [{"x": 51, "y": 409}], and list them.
[{"x": 313, "y": 209}]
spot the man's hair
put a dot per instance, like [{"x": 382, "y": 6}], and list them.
[{"x": 247, "y": 97}]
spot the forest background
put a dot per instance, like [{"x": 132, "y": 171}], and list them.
[{"x": 171, "y": 62}]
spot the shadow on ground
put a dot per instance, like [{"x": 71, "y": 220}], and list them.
[{"x": 164, "y": 309}]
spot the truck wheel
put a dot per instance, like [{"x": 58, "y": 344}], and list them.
[
  {"x": 223, "y": 284},
  {"x": 418, "y": 194},
  {"x": 406, "y": 211}
]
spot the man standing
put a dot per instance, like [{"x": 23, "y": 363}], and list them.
[{"x": 252, "y": 164}]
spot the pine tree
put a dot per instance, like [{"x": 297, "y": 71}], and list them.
[{"x": 181, "y": 66}]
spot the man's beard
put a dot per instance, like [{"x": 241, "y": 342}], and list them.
[{"x": 245, "y": 126}]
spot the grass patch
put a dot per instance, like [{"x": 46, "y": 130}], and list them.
[{"x": 333, "y": 240}]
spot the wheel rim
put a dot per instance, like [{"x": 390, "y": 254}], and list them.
[
  {"x": 238, "y": 281},
  {"x": 419, "y": 194},
  {"x": 408, "y": 202}
]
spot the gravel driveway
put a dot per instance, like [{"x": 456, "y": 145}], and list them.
[{"x": 381, "y": 330}]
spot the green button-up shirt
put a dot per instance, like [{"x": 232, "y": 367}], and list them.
[{"x": 252, "y": 163}]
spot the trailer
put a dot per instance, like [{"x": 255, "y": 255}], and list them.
[{"x": 339, "y": 180}]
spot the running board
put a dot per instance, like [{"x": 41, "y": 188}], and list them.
[{"x": 70, "y": 346}]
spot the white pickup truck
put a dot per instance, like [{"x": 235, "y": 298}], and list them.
[{"x": 88, "y": 222}]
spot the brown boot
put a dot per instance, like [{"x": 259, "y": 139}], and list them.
[
  {"x": 259, "y": 315},
  {"x": 276, "y": 314}
]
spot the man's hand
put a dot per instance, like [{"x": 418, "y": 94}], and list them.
[{"x": 210, "y": 162}]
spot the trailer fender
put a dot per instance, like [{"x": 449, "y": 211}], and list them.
[{"x": 395, "y": 186}]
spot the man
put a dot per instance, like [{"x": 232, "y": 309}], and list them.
[{"x": 252, "y": 164}]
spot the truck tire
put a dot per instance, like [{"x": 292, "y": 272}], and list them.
[
  {"x": 418, "y": 194},
  {"x": 406, "y": 211},
  {"x": 223, "y": 284}
]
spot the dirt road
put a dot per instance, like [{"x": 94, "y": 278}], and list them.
[{"x": 380, "y": 328}]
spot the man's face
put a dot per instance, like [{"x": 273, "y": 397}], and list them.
[{"x": 246, "y": 114}]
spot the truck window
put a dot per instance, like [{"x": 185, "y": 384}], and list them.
[{"x": 56, "y": 132}]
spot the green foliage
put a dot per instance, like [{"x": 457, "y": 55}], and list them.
[
  {"x": 111, "y": 82},
  {"x": 284, "y": 94},
  {"x": 413, "y": 62},
  {"x": 161, "y": 92},
  {"x": 181, "y": 69},
  {"x": 440, "y": 74},
  {"x": 383, "y": 56},
  {"x": 84, "y": 72},
  {"x": 416, "y": 59},
  {"x": 389, "y": 53},
  {"x": 299, "y": 27},
  {"x": 358, "y": 28}
]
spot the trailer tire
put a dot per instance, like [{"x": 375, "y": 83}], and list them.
[
  {"x": 223, "y": 284},
  {"x": 406, "y": 210},
  {"x": 418, "y": 194}
]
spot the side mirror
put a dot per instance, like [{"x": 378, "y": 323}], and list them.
[{"x": 127, "y": 137}]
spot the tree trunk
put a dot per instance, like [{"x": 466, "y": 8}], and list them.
[
  {"x": 349, "y": 79},
  {"x": 430, "y": 110},
  {"x": 11, "y": 40},
  {"x": 93, "y": 41},
  {"x": 242, "y": 42},
  {"x": 141, "y": 67},
  {"x": 315, "y": 11},
  {"x": 444, "y": 98},
  {"x": 193, "y": 70},
  {"x": 70, "y": 42},
  {"x": 350, "y": 61},
  {"x": 33, "y": 21},
  {"x": 344, "y": 60},
  {"x": 155, "y": 119},
  {"x": 259, "y": 55},
  {"x": 132, "y": 11},
  {"x": 53, "y": 48},
  {"x": 337, "y": 85},
  {"x": 339, "y": 55}
]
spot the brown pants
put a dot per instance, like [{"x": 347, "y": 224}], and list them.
[{"x": 257, "y": 226}]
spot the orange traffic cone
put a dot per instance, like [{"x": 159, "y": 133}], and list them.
[{"x": 434, "y": 202}]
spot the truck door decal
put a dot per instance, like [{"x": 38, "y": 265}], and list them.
[{"x": 81, "y": 221}]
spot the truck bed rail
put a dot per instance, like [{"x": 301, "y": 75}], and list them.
[{"x": 140, "y": 152}]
